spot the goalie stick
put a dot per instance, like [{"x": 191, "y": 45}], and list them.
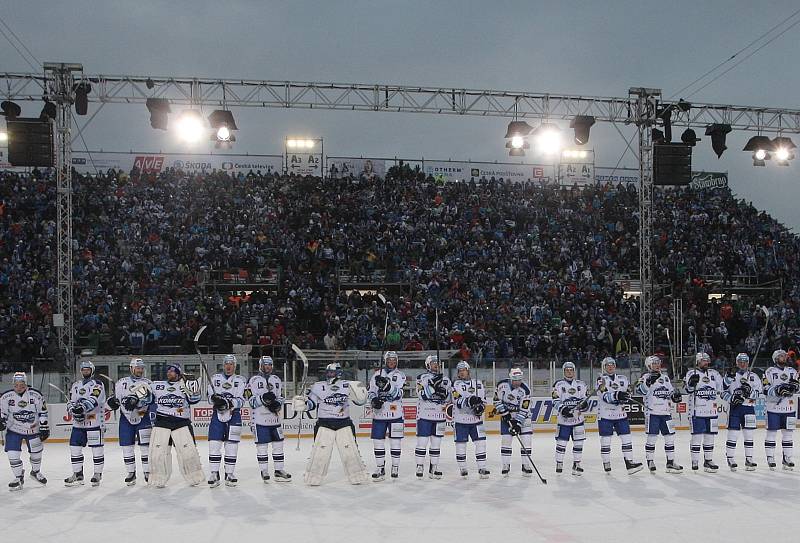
[{"x": 303, "y": 383}]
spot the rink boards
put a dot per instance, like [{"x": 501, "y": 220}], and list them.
[{"x": 544, "y": 417}]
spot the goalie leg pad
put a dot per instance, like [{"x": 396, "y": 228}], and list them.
[
  {"x": 351, "y": 459},
  {"x": 188, "y": 457},
  {"x": 160, "y": 457},
  {"x": 320, "y": 457}
]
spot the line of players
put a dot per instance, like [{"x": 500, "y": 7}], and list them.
[{"x": 144, "y": 404}]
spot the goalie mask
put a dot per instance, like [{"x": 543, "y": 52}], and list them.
[
  {"x": 333, "y": 371},
  {"x": 515, "y": 376}
]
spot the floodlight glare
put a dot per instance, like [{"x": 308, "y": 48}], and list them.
[
  {"x": 223, "y": 134},
  {"x": 760, "y": 154},
  {"x": 190, "y": 126},
  {"x": 784, "y": 150},
  {"x": 548, "y": 138},
  {"x": 517, "y": 142},
  {"x": 3, "y": 136}
]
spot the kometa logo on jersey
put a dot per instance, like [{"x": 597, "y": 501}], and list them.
[{"x": 149, "y": 163}]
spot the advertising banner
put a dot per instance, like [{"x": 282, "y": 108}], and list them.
[
  {"x": 708, "y": 180},
  {"x": 340, "y": 167},
  {"x": 304, "y": 163},
  {"x": 463, "y": 171},
  {"x": 155, "y": 163}
]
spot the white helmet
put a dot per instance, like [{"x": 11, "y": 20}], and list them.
[
  {"x": 779, "y": 356},
  {"x": 87, "y": 364},
  {"x": 568, "y": 366},
  {"x": 702, "y": 357},
  {"x": 608, "y": 361},
  {"x": 335, "y": 368},
  {"x": 742, "y": 357},
  {"x": 229, "y": 359},
  {"x": 136, "y": 363},
  {"x": 650, "y": 361},
  {"x": 516, "y": 374},
  {"x": 463, "y": 365},
  {"x": 430, "y": 360},
  {"x": 390, "y": 354}
]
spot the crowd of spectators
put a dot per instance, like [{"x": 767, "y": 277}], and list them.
[{"x": 515, "y": 270}]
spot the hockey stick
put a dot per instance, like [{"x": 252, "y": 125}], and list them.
[
  {"x": 763, "y": 335},
  {"x": 199, "y": 356},
  {"x": 304, "y": 359},
  {"x": 61, "y": 391},
  {"x": 542, "y": 479}
]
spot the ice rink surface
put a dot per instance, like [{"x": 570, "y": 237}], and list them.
[{"x": 597, "y": 507}]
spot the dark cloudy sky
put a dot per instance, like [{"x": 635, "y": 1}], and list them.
[{"x": 592, "y": 48}]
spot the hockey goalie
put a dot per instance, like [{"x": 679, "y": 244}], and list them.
[
  {"x": 331, "y": 398},
  {"x": 173, "y": 426}
]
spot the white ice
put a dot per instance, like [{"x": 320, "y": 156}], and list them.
[{"x": 741, "y": 506}]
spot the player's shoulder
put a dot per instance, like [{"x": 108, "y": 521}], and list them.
[
  {"x": 35, "y": 391},
  {"x": 6, "y": 393},
  {"x": 525, "y": 388},
  {"x": 504, "y": 383},
  {"x": 559, "y": 383}
]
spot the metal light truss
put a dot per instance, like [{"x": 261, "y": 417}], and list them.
[{"x": 127, "y": 89}]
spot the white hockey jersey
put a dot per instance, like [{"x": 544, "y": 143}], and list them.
[
  {"x": 24, "y": 412},
  {"x": 174, "y": 399},
  {"x": 734, "y": 383},
  {"x": 773, "y": 377},
  {"x": 515, "y": 402},
  {"x": 232, "y": 388},
  {"x": 704, "y": 396},
  {"x": 462, "y": 390},
  {"x": 430, "y": 404},
  {"x": 330, "y": 398},
  {"x": 123, "y": 390},
  {"x": 607, "y": 407},
  {"x": 569, "y": 393},
  {"x": 658, "y": 396},
  {"x": 392, "y": 407},
  {"x": 258, "y": 385},
  {"x": 91, "y": 395}
]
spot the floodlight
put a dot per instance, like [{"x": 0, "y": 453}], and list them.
[
  {"x": 10, "y": 110},
  {"x": 582, "y": 124},
  {"x": 718, "y": 133},
  {"x": 548, "y": 138},
  {"x": 190, "y": 126},
  {"x": 159, "y": 112},
  {"x": 518, "y": 128}
]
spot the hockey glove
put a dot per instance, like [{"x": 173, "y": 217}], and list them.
[
  {"x": 113, "y": 403},
  {"x": 785, "y": 389},
  {"x": 437, "y": 379},
  {"x": 746, "y": 389},
  {"x": 382, "y": 383},
  {"x": 514, "y": 427},
  {"x": 2, "y": 425},
  {"x": 652, "y": 378},
  {"x": 130, "y": 402},
  {"x": 584, "y": 405},
  {"x": 479, "y": 409},
  {"x": 566, "y": 412},
  {"x": 376, "y": 403},
  {"x": 268, "y": 397},
  {"x": 737, "y": 399},
  {"x": 622, "y": 396},
  {"x": 220, "y": 402},
  {"x": 677, "y": 397},
  {"x": 77, "y": 410},
  {"x": 44, "y": 432},
  {"x": 693, "y": 380}
]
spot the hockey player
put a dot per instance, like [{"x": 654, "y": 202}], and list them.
[
  {"x": 385, "y": 394},
  {"x": 266, "y": 402},
  {"x": 434, "y": 392},
  {"x": 173, "y": 399},
  {"x": 704, "y": 386},
  {"x": 512, "y": 401},
  {"x": 741, "y": 392},
  {"x": 781, "y": 385},
  {"x": 86, "y": 405},
  {"x": 331, "y": 398},
  {"x": 659, "y": 395},
  {"x": 23, "y": 415},
  {"x": 135, "y": 424},
  {"x": 226, "y": 393},
  {"x": 571, "y": 402},
  {"x": 469, "y": 399},
  {"x": 612, "y": 395}
]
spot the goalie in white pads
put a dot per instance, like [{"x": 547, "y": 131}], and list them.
[
  {"x": 331, "y": 398},
  {"x": 512, "y": 401},
  {"x": 385, "y": 394},
  {"x": 266, "y": 401},
  {"x": 23, "y": 415},
  {"x": 704, "y": 386},
  {"x": 781, "y": 383},
  {"x": 434, "y": 391},
  {"x": 226, "y": 394},
  {"x": 742, "y": 390},
  {"x": 469, "y": 403},
  {"x": 135, "y": 424},
  {"x": 570, "y": 395},
  {"x": 87, "y": 406},
  {"x": 173, "y": 399},
  {"x": 659, "y": 395},
  {"x": 612, "y": 395}
]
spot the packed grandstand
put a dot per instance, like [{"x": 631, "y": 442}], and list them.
[{"x": 518, "y": 271}]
